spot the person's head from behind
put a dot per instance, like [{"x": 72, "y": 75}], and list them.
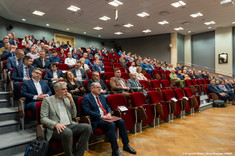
[
  {"x": 42, "y": 54},
  {"x": 27, "y": 60},
  {"x": 54, "y": 66},
  {"x": 96, "y": 76},
  {"x": 60, "y": 90},
  {"x": 68, "y": 76},
  {"x": 95, "y": 88},
  {"x": 19, "y": 54},
  {"x": 37, "y": 74},
  {"x": 54, "y": 53},
  {"x": 117, "y": 72},
  {"x": 132, "y": 76},
  {"x": 78, "y": 64}
]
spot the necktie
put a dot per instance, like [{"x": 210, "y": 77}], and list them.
[
  {"x": 101, "y": 105},
  {"x": 43, "y": 64},
  {"x": 122, "y": 83},
  {"x": 27, "y": 71},
  {"x": 18, "y": 60}
]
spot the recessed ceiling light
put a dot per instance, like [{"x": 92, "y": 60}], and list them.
[
  {"x": 209, "y": 27},
  {"x": 118, "y": 33},
  {"x": 98, "y": 28},
  {"x": 115, "y": 3},
  {"x": 84, "y": 32},
  {"x": 146, "y": 31},
  {"x": 196, "y": 15},
  {"x": 128, "y": 25},
  {"x": 163, "y": 22},
  {"x": 99, "y": 35},
  {"x": 23, "y": 19},
  {"x": 178, "y": 29},
  {"x": 39, "y": 13},
  {"x": 104, "y": 18},
  {"x": 143, "y": 14},
  {"x": 226, "y": 2},
  {"x": 73, "y": 8},
  {"x": 67, "y": 29},
  {"x": 233, "y": 22},
  {"x": 189, "y": 32},
  {"x": 178, "y": 4},
  {"x": 48, "y": 25},
  {"x": 209, "y": 23}
]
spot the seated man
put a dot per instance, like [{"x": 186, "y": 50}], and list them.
[
  {"x": 69, "y": 60},
  {"x": 79, "y": 74},
  {"x": 35, "y": 90},
  {"x": 15, "y": 60},
  {"x": 199, "y": 75},
  {"x": 118, "y": 84},
  {"x": 9, "y": 53},
  {"x": 74, "y": 54},
  {"x": 62, "y": 127},
  {"x": 180, "y": 75},
  {"x": 53, "y": 75},
  {"x": 54, "y": 58},
  {"x": 134, "y": 84},
  {"x": 97, "y": 58},
  {"x": 41, "y": 62},
  {"x": 222, "y": 88},
  {"x": 96, "y": 78},
  {"x": 173, "y": 76},
  {"x": 87, "y": 61},
  {"x": 43, "y": 40},
  {"x": 94, "y": 104},
  {"x": 212, "y": 88},
  {"x": 146, "y": 67},
  {"x": 97, "y": 67}
]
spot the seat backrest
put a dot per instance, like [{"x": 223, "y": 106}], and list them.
[
  {"x": 122, "y": 69},
  {"x": 188, "y": 82},
  {"x": 107, "y": 83},
  {"x": 155, "y": 71},
  {"x": 89, "y": 74},
  {"x": 165, "y": 83},
  {"x": 194, "y": 82},
  {"x": 155, "y": 84},
  {"x": 79, "y": 107},
  {"x": 63, "y": 66},
  {"x": 117, "y": 65},
  {"x": 206, "y": 90},
  {"x": 125, "y": 76},
  {"x": 107, "y": 64},
  {"x": 116, "y": 100},
  {"x": 147, "y": 75},
  {"x": 188, "y": 92},
  {"x": 179, "y": 93},
  {"x": 200, "y": 81},
  {"x": 168, "y": 94},
  {"x": 85, "y": 84},
  {"x": 106, "y": 60},
  {"x": 43, "y": 73},
  {"x": 146, "y": 84},
  {"x": 38, "y": 111},
  {"x": 108, "y": 75},
  {"x": 137, "y": 99},
  {"x": 154, "y": 97}
]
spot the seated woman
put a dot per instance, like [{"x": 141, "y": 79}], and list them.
[
  {"x": 139, "y": 75},
  {"x": 62, "y": 56},
  {"x": 123, "y": 61},
  {"x": 186, "y": 77},
  {"x": 74, "y": 87},
  {"x": 84, "y": 66}
]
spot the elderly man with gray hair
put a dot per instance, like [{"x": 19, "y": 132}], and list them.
[{"x": 57, "y": 113}]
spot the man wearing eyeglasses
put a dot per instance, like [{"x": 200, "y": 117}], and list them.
[
  {"x": 96, "y": 78},
  {"x": 35, "y": 89}
]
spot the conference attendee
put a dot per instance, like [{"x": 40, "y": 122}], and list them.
[
  {"x": 43, "y": 40},
  {"x": 62, "y": 56},
  {"x": 180, "y": 75},
  {"x": 87, "y": 61},
  {"x": 178, "y": 67},
  {"x": 26, "y": 40},
  {"x": 9, "y": 53},
  {"x": 198, "y": 75},
  {"x": 57, "y": 44},
  {"x": 228, "y": 91},
  {"x": 4, "y": 41},
  {"x": 173, "y": 76},
  {"x": 27, "y": 49},
  {"x": 33, "y": 39},
  {"x": 221, "y": 78},
  {"x": 97, "y": 58},
  {"x": 139, "y": 74},
  {"x": 96, "y": 78},
  {"x": 151, "y": 65},
  {"x": 41, "y": 62},
  {"x": 132, "y": 68},
  {"x": 80, "y": 52},
  {"x": 53, "y": 75},
  {"x": 134, "y": 84},
  {"x": 118, "y": 84},
  {"x": 33, "y": 54},
  {"x": 97, "y": 67},
  {"x": 68, "y": 45},
  {"x": 186, "y": 77},
  {"x": 74, "y": 87},
  {"x": 84, "y": 66},
  {"x": 123, "y": 61},
  {"x": 12, "y": 39},
  {"x": 145, "y": 66},
  {"x": 6, "y": 46},
  {"x": 70, "y": 60},
  {"x": 63, "y": 46},
  {"x": 54, "y": 58},
  {"x": 57, "y": 114},
  {"x": 79, "y": 74},
  {"x": 190, "y": 74},
  {"x": 94, "y": 104},
  {"x": 15, "y": 60},
  {"x": 38, "y": 45},
  {"x": 74, "y": 55},
  {"x": 212, "y": 88},
  {"x": 89, "y": 54},
  {"x": 71, "y": 49},
  {"x": 34, "y": 90}
]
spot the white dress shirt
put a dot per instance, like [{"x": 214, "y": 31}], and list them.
[
  {"x": 38, "y": 88},
  {"x": 70, "y": 61}
]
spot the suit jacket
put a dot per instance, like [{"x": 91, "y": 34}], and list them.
[
  {"x": 50, "y": 114},
  {"x": 49, "y": 74},
  {"x": 84, "y": 74},
  {"x": 11, "y": 62},
  {"x": 28, "y": 89},
  {"x": 214, "y": 89},
  {"x": 144, "y": 66},
  {"x": 90, "y": 108},
  {"x": 103, "y": 86},
  {"x": 18, "y": 75},
  {"x": 38, "y": 63},
  {"x": 6, "y": 54},
  {"x": 97, "y": 68},
  {"x": 115, "y": 85},
  {"x": 133, "y": 84}
]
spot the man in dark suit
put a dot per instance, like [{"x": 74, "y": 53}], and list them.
[
  {"x": 96, "y": 78},
  {"x": 43, "y": 40},
  {"x": 134, "y": 84},
  {"x": 9, "y": 53},
  {"x": 97, "y": 67},
  {"x": 96, "y": 107},
  {"x": 54, "y": 58},
  {"x": 53, "y": 74},
  {"x": 35, "y": 90},
  {"x": 15, "y": 60},
  {"x": 41, "y": 62},
  {"x": 79, "y": 74}
]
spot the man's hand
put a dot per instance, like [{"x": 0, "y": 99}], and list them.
[
  {"x": 41, "y": 96},
  {"x": 26, "y": 79},
  {"x": 69, "y": 96},
  {"x": 127, "y": 88},
  {"x": 76, "y": 79},
  {"x": 55, "y": 79},
  {"x": 107, "y": 116},
  {"x": 60, "y": 127},
  {"x": 102, "y": 91},
  {"x": 140, "y": 88}
]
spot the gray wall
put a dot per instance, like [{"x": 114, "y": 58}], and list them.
[
  {"x": 233, "y": 51},
  {"x": 22, "y": 29},
  {"x": 180, "y": 48},
  {"x": 203, "y": 50},
  {"x": 154, "y": 46}
]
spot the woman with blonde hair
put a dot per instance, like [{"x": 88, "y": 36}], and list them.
[{"x": 139, "y": 75}]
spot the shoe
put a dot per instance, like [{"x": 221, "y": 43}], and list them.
[
  {"x": 129, "y": 149},
  {"x": 233, "y": 102},
  {"x": 117, "y": 153}
]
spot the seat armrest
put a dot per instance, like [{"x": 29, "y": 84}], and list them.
[
  {"x": 21, "y": 107},
  {"x": 214, "y": 96},
  {"x": 117, "y": 113},
  {"x": 85, "y": 119},
  {"x": 40, "y": 131}
]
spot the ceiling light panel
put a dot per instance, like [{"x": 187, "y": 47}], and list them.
[
  {"x": 98, "y": 28},
  {"x": 23, "y": 19},
  {"x": 143, "y": 14},
  {"x": 115, "y": 3},
  {"x": 128, "y": 25},
  {"x": 209, "y": 23},
  {"x": 196, "y": 15},
  {"x": 178, "y": 29},
  {"x": 146, "y": 31},
  {"x": 118, "y": 33},
  {"x": 73, "y": 8},
  {"x": 104, "y": 18},
  {"x": 39, "y": 13},
  {"x": 48, "y": 25},
  {"x": 163, "y": 22},
  {"x": 178, "y": 4}
]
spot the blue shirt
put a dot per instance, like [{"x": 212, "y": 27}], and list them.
[
  {"x": 25, "y": 76},
  {"x": 54, "y": 59}
]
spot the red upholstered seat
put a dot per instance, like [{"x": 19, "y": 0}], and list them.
[
  {"x": 85, "y": 84},
  {"x": 117, "y": 65},
  {"x": 128, "y": 116},
  {"x": 189, "y": 94},
  {"x": 155, "y": 84},
  {"x": 108, "y": 69},
  {"x": 108, "y": 75},
  {"x": 43, "y": 73},
  {"x": 122, "y": 69},
  {"x": 107, "y": 83},
  {"x": 63, "y": 66},
  {"x": 166, "y": 84},
  {"x": 107, "y": 64},
  {"x": 188, "y": 83},
  {"x": 146, "y": 85},
  {"x": 125, "y": 76},
  {"x": 138, "y": 99},
  {"x": 179, "y": 94},
  {"x": 147, "y": 75},
  {"x": 106, "y": 60}
]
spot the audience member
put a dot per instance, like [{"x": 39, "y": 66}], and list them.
[
  {"x": 15, "y": 60},
  {"x": 84, "y": 66},
  {"x": 173, "y": 76},
  {"x": 63, "y": 46},
  {"x": 199, "y": 75},
  {"x": 145, "y": 67},
  {"x": 97, "y": 67},
  {"x": 54, "y": 57},
  {"x": 33, "y": 54},
  {"x": 134, "y": 84},
  {"x": 139, "y": 74},
  {"x": 123, "y": 61},
  {"x": 96, "y": 78},
  {"x": 27, "y": 49},
  {"x": 62, "y": 56},
  {"x": 87, "y": 61},
  {"x": 9, "y": 53},
  {"x": 53, "y": 75},
  {"x": 74, "y": 55},
  {"x": 43, "y": 40},
  {"x": 186, "y": 77},
  {"x": 180, "y": 75},
  {"x": 69, "y": 60},
  {"x": 132, "y": 68},
  {"x": 41, "y": 62},
  {"x": 79, "y": 74}
]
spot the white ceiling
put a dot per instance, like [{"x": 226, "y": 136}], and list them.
[{"x": 57, "y": 15}]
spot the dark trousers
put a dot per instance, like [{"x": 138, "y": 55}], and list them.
[
  {"x": 110, "y": 128},
  {"x": 80, "y": 131}
]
